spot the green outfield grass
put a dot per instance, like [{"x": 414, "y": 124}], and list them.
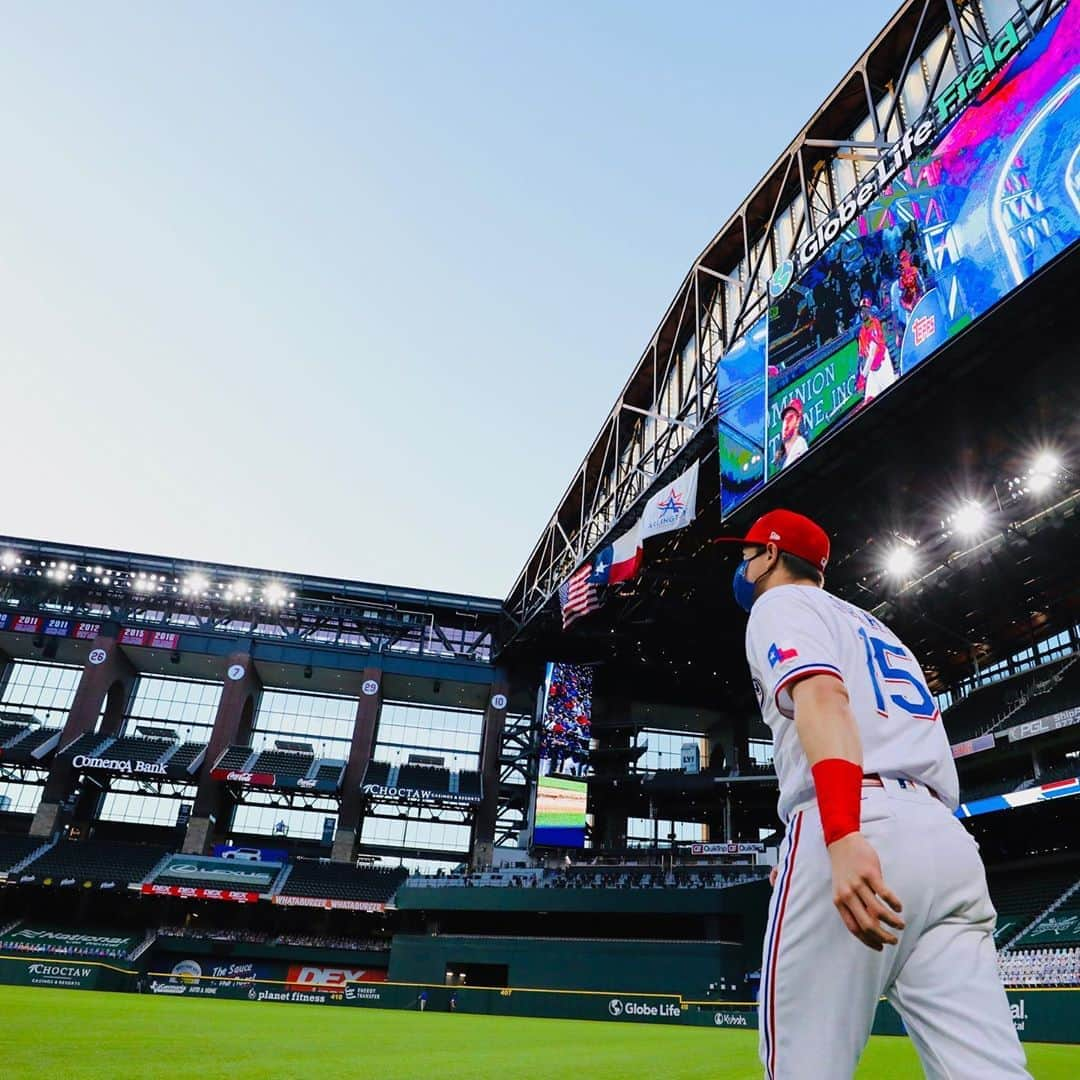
[
  {"x": 551, "y": 818},
  {"x": 102, "y": 1036}
]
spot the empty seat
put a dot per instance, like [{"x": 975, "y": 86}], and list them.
[
  {"x": 93, "y": 860},
  {"x": 182, "y": 759},
  {"x": 469, "y": 784},
  {"x": 283, "y": 763},
  {"x": 138, "y": 748},
  {"x": 330, "y": 772},
  {"x": 431, "y": 778},
  {"x": 13, "y": 849},
  {"x": 235, "y": 757},
  {"x": 21, "y": 750},
  {"x": 86, "y": 743},
  {"x": 338, "y": 881},
  {"x": 378, "y": 772}
]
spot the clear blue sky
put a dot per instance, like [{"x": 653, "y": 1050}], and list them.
[{"x": 349, "y": 288}]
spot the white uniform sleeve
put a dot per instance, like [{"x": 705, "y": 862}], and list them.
[{"x": 788, "y": 639}]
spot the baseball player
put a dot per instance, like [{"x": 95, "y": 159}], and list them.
[
  {"x": 880, "y": 889},
  {"x": 875, "y": 365},
  {"x": 909, "y": 286},
  {"x": 792, "y": 443}
]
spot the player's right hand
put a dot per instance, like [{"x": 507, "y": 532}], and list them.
[{"x": 860, "y": 894}]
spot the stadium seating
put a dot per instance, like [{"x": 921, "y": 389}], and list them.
[
  {"x": 338, "y": 881},
  {"x": 1041, "y": 967},
  {"x": 378, "y": 772},
  {"x": 329, "y": 772},
  {"x": 91, "y": 860},
  {"x": 86, "y": 743},
  {"x": 283, "y": 763},
  {"x": 433, "y": 778},
  {"x": 469, "y": 784},
  {"x": 989, "y": 704},
  {"x": 13, "y": 849},
  {"x": 235, "y": 757},
  {"x": 21, "y": 751},
  {"x": 9, "y": 730},
  {"x": 1060, "y": 926},
  {"x": 1063, "y": 692},
  {"x": 138, "y": 748},
  {"x": 182, "y": 759},
  {"x": 600, "y": 877},
  {"x": 88, "y": 943},
  {"x": 1021, "y": 895}
]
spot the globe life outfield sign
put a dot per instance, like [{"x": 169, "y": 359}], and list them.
[{"x": 1012, "y": 37}]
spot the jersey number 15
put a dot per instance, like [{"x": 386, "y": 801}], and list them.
[{"x": 883, "y": 658}]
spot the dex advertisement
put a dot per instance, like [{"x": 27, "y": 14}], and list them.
[{"x": 981, "y": 192}]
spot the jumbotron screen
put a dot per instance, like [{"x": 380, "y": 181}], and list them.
[
  {"x": 565, "y": 735},
  {"x": 566, "y": 720},
  {"x": 561, "y": 806},
  {"x": 979, "y": 193}
]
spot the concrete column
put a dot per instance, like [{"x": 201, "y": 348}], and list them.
[
  {"x": 721, "y": 748},
  {"x": 490, "y": 749},
  {"x": 235, "y": 715},
  {"x": 104, "y": 687},
  {"x": 363, "y": 743},
  {"x": 610, "y": 823}
]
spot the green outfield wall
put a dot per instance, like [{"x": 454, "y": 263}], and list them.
[
  {"x": 1039, "y": 1015},
  {"x": 685, "y": 968}
]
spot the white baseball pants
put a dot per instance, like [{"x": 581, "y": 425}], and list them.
[{"x": 820, "y": 985}]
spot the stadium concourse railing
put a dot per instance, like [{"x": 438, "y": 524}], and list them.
[{"x": 1040, "y": 1015}]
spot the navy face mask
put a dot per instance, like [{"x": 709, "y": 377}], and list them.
[{"x": 742, "y": 587}]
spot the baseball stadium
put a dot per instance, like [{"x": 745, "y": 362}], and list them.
[{"x": 263, "y": 823}]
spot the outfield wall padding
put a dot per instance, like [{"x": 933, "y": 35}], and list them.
[
  {"x": 681, "y": 968},
  {"x": 1039, "y": 1015},
  {"x": 65, "y": 973}
]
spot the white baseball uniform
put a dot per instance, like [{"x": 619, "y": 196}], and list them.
[{"x": 820, "y": 985}]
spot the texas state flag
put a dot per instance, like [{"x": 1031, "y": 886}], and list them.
[
  {"x": 780, "y": 656},
  {"x": 619, "y": 561}
]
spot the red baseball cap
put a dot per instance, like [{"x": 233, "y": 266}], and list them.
[{"x": 794, "y": 533}]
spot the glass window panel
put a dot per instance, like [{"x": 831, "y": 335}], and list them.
[
  {"x": 324, "y": 720},
  {"x": 665, "y": 748},
  {"x": 453, "y": 734},
  {"x": 46, "y": 691},
  {"x": 187, "y": 705}
]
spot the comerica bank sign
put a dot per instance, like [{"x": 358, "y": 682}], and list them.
[{"x": 118, "y": 765}]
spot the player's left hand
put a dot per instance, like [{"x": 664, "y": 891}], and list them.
[{"x": 860, "y": 893}]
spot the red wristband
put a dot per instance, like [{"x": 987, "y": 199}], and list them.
[{"x": 839, "y": 796}]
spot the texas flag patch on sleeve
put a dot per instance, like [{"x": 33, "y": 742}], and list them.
[{"x": 781, "y": 656}]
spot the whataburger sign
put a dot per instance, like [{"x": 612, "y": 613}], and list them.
[
  {"x": 927, "y": 131},
  {"x": 318, "y": 902}
]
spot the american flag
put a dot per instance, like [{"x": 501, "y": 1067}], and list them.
[{"x": 578, "y": 595}]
